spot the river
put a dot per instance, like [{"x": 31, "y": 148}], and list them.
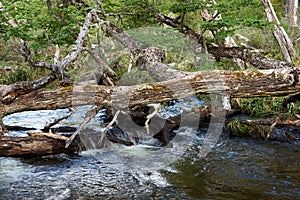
[{"x": 236, "y": 168}]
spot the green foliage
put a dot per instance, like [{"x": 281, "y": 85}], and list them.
[
  {"x": 39, "y": 25},
  {"x": 262, "y": 107},
  {"x": 234, "y": 14},
  {"x": 21, "y": 73},
  {"x": 186, "y": 6},
  {"x": 132, "y": 13},
  {"x": 165, "y": 38},
  {"x": 42, "y": 27},
  {"x": 240, "y": 129},
  {"x": 267, "y": 107}
]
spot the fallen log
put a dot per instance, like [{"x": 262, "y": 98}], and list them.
[
  {"x": 41, "y": 143},
  {"x": 249, "y": 83},
  {"x": 235, "y": 83},
  {"x": 36, "y": 145}
]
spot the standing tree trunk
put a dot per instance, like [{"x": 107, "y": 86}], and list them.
[
  {"x": 280, "y": 34},
  {"x": 292, "y": 11}
]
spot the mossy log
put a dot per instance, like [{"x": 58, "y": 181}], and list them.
[{"x": 249, "y": 83}]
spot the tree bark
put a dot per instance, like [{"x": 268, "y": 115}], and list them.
[
  {"x": 292, "y": 11},
  {"x": 249, "y": 83},
  {"x": 280, "y": 34},
  {"x": 36, "y": 145}
]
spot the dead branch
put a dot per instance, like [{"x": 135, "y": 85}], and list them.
[
  {"x": 49, "y": 135},
  {"x": 280, "y": 34},
  {"x": 269, "y": 122},
  {"x": 88, "y": 116},
  {"x": 245, "y": 54},
  {"x": 289, "y": 99},
  {"x": 108, "y": 126},
  {"x": 72, "y": 56},
  {"x": 122, "y": 37},
  {"x": 9, "y": 92},
  {"x": 103, "y": 66},
  {"x": 48, "y": 126},
  {"x": 148, "y": 118}
]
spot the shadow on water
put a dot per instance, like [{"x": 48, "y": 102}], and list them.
[
  {"x": 241, "y": 169},
  {"x": 235, "y": 169}
]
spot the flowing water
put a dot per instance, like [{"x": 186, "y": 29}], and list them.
[{"x": 236, "y": 168}]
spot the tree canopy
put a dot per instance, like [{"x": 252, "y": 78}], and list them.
[{"x": 50, "y": 23}]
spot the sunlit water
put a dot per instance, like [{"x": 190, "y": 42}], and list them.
[{"x": 236, "y": 168}]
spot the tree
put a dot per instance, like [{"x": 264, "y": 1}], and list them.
[
  {"x": 280, "y": 34},
  {"x": 75, "y": 25},
  {"x": 292, "y": 11}
]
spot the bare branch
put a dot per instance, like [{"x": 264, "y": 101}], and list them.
[
  {"x": 245, "y": 54},
  {"x": 109, "y": 125},
  {"x": 281, "y": 36},
  {"x": 124, "y": 38},
  {"x": 48, "y": 126},
  {"x": 49, "y": 4},
  {"x": 10, "y": 92},
  {"x": 49, "y": 135},
  {"x": 103, "y": 66},
  {"x": 88, "y": 116},
  {"x": 72, "y": 56},
  {"x": 26, "y": 52},
  {"x": 56, "y": 55}
]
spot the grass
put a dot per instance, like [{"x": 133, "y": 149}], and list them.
[
  {"x": 267, "y": 107},
  {"x": 240, "y": 129}
]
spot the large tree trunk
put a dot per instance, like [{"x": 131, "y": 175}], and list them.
[{"x": 249, "y": 83}]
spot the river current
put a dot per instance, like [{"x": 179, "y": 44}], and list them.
[{"x": 236, "y": 168}]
